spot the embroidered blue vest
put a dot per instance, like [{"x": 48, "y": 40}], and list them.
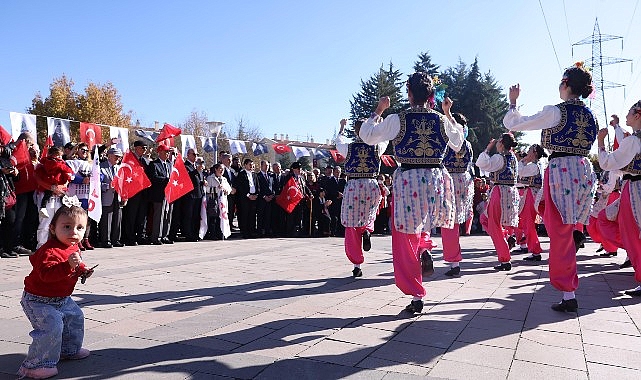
[
  {"x": 458, "y": 162},
  {"x": 507, "y": 174},
  {"x": 362, "y": 160},
  {"x": 575, "y": 133},
  {"x": 422, "y": 138},
  {"x": 535, "y": 181},
  {"x": 634, "y": 167}
]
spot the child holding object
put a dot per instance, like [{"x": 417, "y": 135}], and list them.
[{"x": 58, "y": 322}]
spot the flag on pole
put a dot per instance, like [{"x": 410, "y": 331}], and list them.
[
  {"x": 58, "y": 129},
  {"x": 300, "y": 152},
  {"x": 94, "y": 210},
  {"x": 45, "y": 149},
  {"x": 168, "y": 131},
  {"x": 5, "y": 137},
  {"x": 179, "y": 181},
  {"x": 388, "y": 160},
  {"x": 281, "y": 148},
  {"x": 203, "y": 218},
  {"x": 22, "y": 122},
  {"x": 237, "y": 146},
  {"x": 20, "y": 155},
  {"x": 131, "y": 177},
  {"x": 259, "y": 148},
  {"x": 337, "y": 156},
  {"x": 90, "y": 134},
  {"x": 289, "y": 196}
]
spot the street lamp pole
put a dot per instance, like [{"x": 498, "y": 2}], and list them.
[{"x": 214, "y": 128}]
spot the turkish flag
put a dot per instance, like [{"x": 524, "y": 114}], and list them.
[
  {"x": 281, "y": 148},
  {"x": 388, "y": 160},
  {"x": 20, "y": 156},
  {"x": 168, "y": 132},
  {"x": 45, "y": 150},
  {"x": 179, "y": 181},
  {"x": 131, "y": 177},
  {"x": 336, "y": 155},
  {"x": 289, "y": 196},
  {"x": 5, "y": 137},
  {"x": 90, "y": 134}
]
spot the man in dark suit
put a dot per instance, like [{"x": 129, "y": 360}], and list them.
[
  {"x": 158, "y": 172},
  {"x": 334, "y": 187},
  {"x": 265, "y": 200},
  {"x": 135, "y": 212},
  {"x": 230, "y": 175},
  {"x": 294, "y": 220},
  {"x": 109, "y": 226},
  {"x": 247, "y": 190},
  {"x": 192, "y": 201},
  {"x": 278, "y": 214}
]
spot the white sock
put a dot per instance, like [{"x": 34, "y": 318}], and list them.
[
  {"x": 454, "y": 265},
  {"x": 357, "y": 265},
  {"x": 417, "y": 298},
  {"x": 568, "y": 296}
]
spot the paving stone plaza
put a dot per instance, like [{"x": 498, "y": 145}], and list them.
[{"x": 289, "y": 309}]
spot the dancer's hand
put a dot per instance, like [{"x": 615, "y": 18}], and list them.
[{"x": 515, "y": 91}]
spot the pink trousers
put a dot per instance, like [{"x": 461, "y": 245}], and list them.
[
  {"x": 562, "y": 261},
  {"x": 527, "y": 223},
  {"x": 494, "y": 227},
  {"x": 354, "y": 242},
  {"x": 408, "y": 275},
  {"x": 451, "y": 244},
  {"x": 630, "y": 234}
]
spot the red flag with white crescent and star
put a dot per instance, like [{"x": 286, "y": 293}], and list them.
[
  {"x": 131, "y": 177},
  {"x": 289, "y": 196},
  {"x": 281, "y": 148},
  {"x": 179, "y": 181},
  {"x": 20, "y": 155},
  {"x": 337, "y": 156},
  {"x": 90, "y": 134},
  {"x": 45, "y": 149},
  {"x": 168, "y": 131}
]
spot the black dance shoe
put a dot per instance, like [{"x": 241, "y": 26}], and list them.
[
  {"x": 453, "y": 272},
  {"x": 415, "y": 307},
  {"x": 367, "y": 242},
  {"x": 427, "y": 265},
  {"x": 533, "y": 257},
  {"x": 607, "y": 254},
  {"x": 504, "y": 267},
  {"x": 511, "y": 242},
  {"x": 566, "y": 305},
  {"x": 626, "y": 264},
  {"x": 357, "y": 272},
  {"x": 579, "y": 239},
  {"x": 633, "y": 293}
]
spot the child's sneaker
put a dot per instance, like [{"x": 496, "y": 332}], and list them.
[
  {"x": 81, "y": 354},
  {"x": 37, "y": 373},
  {"x": 43, "y": 213}
]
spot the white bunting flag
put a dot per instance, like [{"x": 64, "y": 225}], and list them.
[
  {"x": 209, "y": 144},
  {"x": 300, "y": 151},
  {"x": 22, "y": 122},
  {"x": 187, "y": 142},
  {"x": 95, "y": 198},
  {"x": 58, "y": 129},
  {"x": 120, "y": 138},
  {"x": 237, "y": 146}
]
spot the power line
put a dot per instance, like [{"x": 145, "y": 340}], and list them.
[
  {"x": 550, "y": 35},
  {"x": 567, "y": 26}
]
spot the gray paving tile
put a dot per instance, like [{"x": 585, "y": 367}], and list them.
[
  {"x": 535, "y": 371},
  {"x": 448, "y": 369},
  {"x": 481, "y": 355},
  {"x": 531, "y": 351}
]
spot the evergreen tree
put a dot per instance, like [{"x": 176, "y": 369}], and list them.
[{"x": 425, "y": 64}]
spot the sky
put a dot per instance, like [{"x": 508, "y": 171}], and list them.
[{"x": 292, "y": 67}]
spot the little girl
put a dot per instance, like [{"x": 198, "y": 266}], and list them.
[
  {"x": 53, "y": 172},
  {"x": 58, "y": 322}
]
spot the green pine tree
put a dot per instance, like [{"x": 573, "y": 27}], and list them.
[{"x": 425, "y": 64}]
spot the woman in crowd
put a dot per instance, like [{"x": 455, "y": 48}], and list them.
[
  {"x": 217, "y": 190},
  {"x": 568, "y": 131},
  {"x": 530, "y": 177}
]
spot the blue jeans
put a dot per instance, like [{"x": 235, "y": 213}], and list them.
[{"x": 58, "y": 329}]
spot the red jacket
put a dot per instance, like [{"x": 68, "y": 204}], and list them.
[
  {"x": 51, "y": 275},
  {"x": 26, "y": 179},
  {"x": 53, "y": 171}
]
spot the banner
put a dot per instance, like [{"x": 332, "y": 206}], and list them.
[
  {"x": 147, "y": 135},
  {"x": 300, "y": 152},
  {"x": 119, "y": 137},
  {"x": 58, "y": 129},
  {"x": 237, "y": 146},
  {"x": 90, "y": 134},
  {"x": 187, "y": 142},
  {"x": 209, "y": 144},
  {"x": 259, "y": 148},
  {"x": 320, "y": 154},
  {"x": 22, "y": 122},
  {"x": 95, "y": 196}
]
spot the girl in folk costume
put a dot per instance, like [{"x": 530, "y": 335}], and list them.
[
  {"x": 608, "y": 192},
  {"x": 627, "y": 158},
  {"x": 503, "y": 201},
  {"x": 459, "y": 165},
  {"x": 362, "y": 194},
  {"x": 422, "y": 189},
  {"x": 531, "y": 178},
  {"x": 217, "y": 191},
  {"x": 568, "y": 131}
]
